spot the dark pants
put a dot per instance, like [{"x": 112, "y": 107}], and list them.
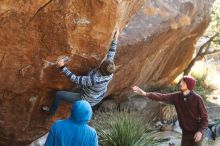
[
  {"x": 63, "y": 96},
  {"x": 188, "y": 140}
]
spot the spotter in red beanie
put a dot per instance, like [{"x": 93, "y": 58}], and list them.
[{"x": 190, "y": 82}]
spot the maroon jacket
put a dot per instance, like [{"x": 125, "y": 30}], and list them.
[{"x": 191, "y": 110}]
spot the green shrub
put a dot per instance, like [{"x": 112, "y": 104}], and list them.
[
  {"x": 214, "y": 26},
  {"x": 202, "y": 88},
  {"x": 123, "y": 129}
]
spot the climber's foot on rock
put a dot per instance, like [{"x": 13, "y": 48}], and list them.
[{"x": 46, "y": 110}]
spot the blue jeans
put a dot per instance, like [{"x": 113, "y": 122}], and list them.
[{"x": 70, "y": 97}]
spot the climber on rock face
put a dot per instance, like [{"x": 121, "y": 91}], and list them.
[{"x": 93, "y": 86}]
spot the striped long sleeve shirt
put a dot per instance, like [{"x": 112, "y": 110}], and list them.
[{"x": 94, "y": 85}]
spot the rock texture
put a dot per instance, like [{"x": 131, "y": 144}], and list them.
[
  {"x": 158, "y": 43},
  {"x": 153, "y": 49},
  {"x": 35, "y": 32}
]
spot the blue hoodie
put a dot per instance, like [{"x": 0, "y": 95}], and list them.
[{"x": 74, "y": 131}]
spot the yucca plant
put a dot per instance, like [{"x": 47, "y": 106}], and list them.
[{"x": 124, "y": 129}]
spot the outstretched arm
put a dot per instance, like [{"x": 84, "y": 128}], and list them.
[
  {"x": 156, "y": 96},
  {"x": 139, "y": 91},
  {"x": 112, "y": 50},
  {"x": 79, "y": 80}
]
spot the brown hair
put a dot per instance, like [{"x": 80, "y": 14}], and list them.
[{"x": 107, "y": 67}]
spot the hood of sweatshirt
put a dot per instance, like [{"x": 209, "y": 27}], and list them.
[{"x": 81, "y": 112}]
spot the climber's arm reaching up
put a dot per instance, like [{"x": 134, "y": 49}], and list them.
[
  {"x": 112, "y": 50},
  {"x": 80, "y": 80}
]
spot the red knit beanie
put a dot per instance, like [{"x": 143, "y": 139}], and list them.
[{"x": 190, "y": 82}]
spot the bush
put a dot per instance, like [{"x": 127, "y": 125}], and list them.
[
  {"x": 202, "y": 88},
  {"x": 214, "y": 26},
  {"x": 123, "y": 129}
]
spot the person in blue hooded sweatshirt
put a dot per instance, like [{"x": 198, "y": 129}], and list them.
[{"x": 74, "y": 131}]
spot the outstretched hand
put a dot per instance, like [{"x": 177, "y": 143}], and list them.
[
  {"x": 138, "y": 90},
  {"x": 60, "y": 62},
  {"x": 116, "y": 34}
]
